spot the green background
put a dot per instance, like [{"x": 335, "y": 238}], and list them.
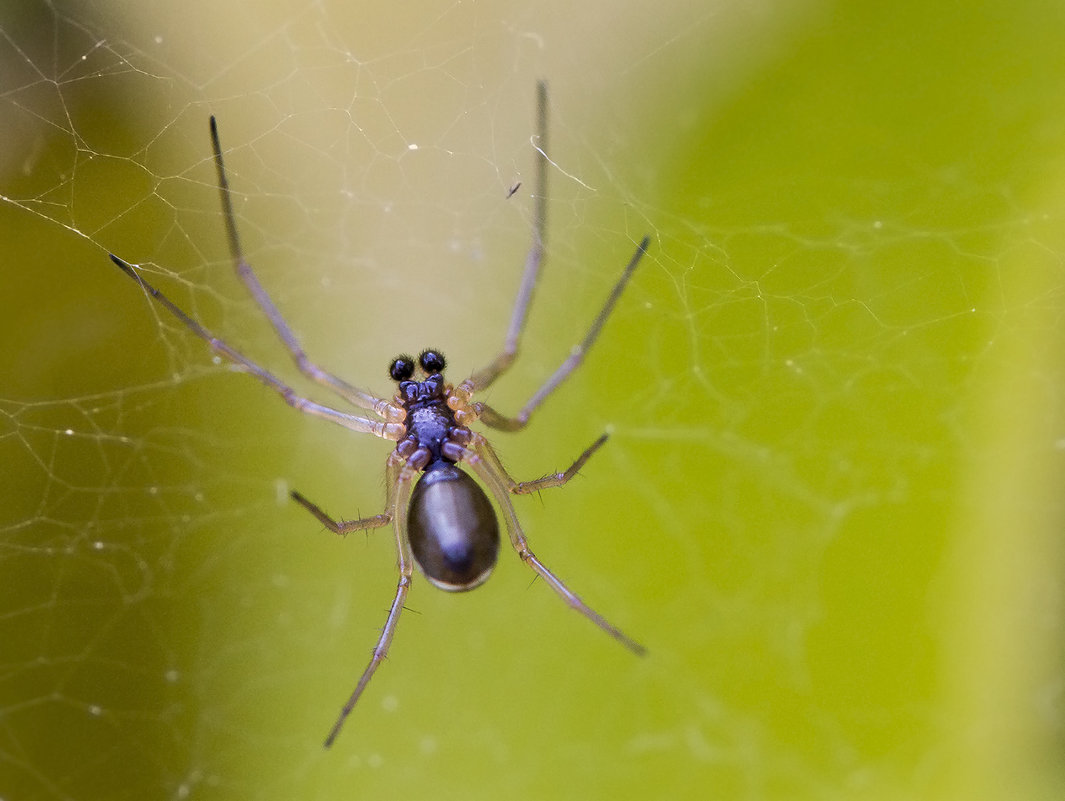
[{"x": 831, "y": 506}]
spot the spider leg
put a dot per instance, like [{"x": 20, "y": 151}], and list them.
[
  {"x": 341, "y": 527},
  {"x": 497, "y": 480},
  {"x": 400, "y": 475},
  {"x": 392, "y": 431},
  {"x": 354, "y": 395},
  {"x": 491, "y": 417},
  {"x": 533, "y": 260},
  {"x": 548, "y": 481}
]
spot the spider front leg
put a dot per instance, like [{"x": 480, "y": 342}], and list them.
[
  {"x": 484, "y": 462},
  {"x": 484, "y": 377},
  {"x": 533, "y": 260},
  {"x": 352, "y": 394}
]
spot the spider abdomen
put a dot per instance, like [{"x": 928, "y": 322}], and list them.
[{"x": 452, "y": 528}]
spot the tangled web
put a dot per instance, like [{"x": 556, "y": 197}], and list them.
[{"x": 835, "y": 383}]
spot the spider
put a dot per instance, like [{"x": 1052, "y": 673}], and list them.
[{"x": 442, "y": 519}]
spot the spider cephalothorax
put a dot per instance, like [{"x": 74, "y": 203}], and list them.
[{"x": 432, "y": 434}]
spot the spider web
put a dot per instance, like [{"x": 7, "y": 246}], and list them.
[{"x": 831, "y": 505}]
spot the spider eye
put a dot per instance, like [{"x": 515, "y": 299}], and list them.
[
  {"x": 432, "y": 361},
  {"x": 402, "y": 368}
]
